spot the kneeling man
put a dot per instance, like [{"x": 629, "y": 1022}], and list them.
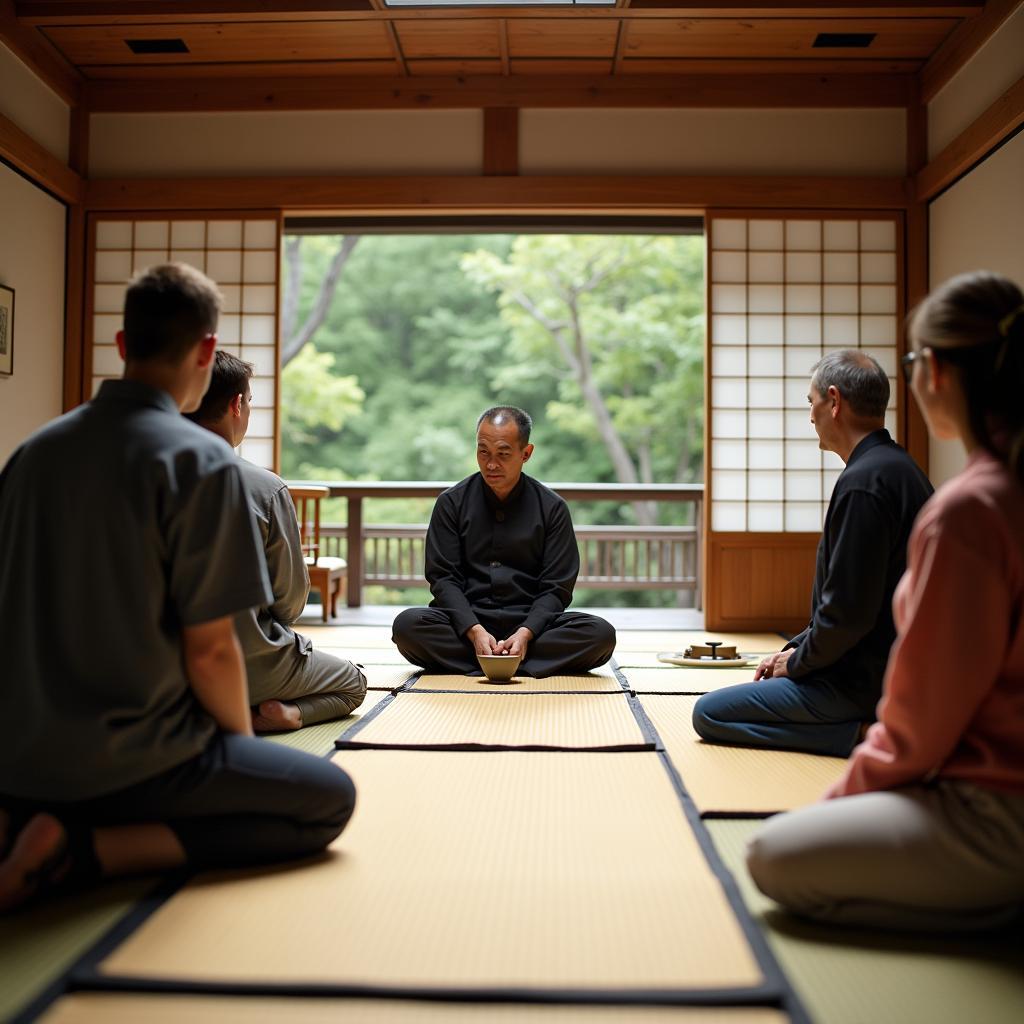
[
  {"x": 818, "y": 692},
  {"x": 501, "y": 561},
  {"x": 290, "y": 684}
]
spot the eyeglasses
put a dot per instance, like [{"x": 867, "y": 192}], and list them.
[{"x": 907, "y": 362}]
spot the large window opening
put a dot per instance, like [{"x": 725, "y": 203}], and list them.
[{"x": 394, "y": 341}]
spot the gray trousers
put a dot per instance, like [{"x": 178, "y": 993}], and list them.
[
  {"x": 946, "y": 855},
  {"x": 323, "y": 686}
]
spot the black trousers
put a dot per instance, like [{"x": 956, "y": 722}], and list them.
[
  {"x": 575, "y": 642},
  {"x": 242, "y": 801}
]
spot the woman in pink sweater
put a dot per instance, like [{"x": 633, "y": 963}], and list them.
[{"x": 926, "y": 828}]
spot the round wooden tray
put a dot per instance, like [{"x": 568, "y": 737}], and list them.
[{"x": 670, "y": 658}]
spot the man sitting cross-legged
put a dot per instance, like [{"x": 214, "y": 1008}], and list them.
[
  {"x": 502, "y": 561},
  {"x": 131, "y": 746},
  {"x": 821, "y": 689},
  {"x": 290, "y": 684}
]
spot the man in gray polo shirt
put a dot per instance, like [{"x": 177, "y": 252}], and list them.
[
  {"x": 131, "y": 745},
  {"x": 290, "y": 683}
]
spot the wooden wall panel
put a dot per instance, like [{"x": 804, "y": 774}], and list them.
[
  {"x": 462, "y": 38},
  {"x": 571, "y": 38},
  {"x": 759, "y": 581}
]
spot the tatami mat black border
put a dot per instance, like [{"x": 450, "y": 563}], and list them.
[
  {"x": 774, "y": 974},
  {"x": 754, "y": 996},
  {"x": 524, "y": 693},
  {"x": 163, "y": 889},
  {"x": 484, "y": 748}
]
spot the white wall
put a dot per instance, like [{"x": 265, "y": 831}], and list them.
[
  {"x": 32, "y": 263},
  {"x": 978, "y": 224},
  {"x": 684, "y": 141},
  {"x": 605, "y": 141},
  {"x": 354, "y": 142},
  {"x": 978, "y": 84},
  {"x": 33, "y": 106}
]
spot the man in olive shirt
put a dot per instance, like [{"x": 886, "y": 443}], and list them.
[
  {"x": 131, "y": 745},
  {"x": 819, "y": 691},
  {"x": 502, "y": 561},
  {"x": 290, "y": 683}
]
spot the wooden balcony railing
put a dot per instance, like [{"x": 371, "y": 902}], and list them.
[{"x": 611, "y": 557}]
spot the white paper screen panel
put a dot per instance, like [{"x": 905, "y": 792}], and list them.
[
  {"x": 242, "y": 255},
  {"x": 783, "y": 293}
]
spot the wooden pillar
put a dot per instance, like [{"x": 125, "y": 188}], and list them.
[
  {"x": 75, "y": 385},
  {"x": 916, "y": 262},
  {"x": 354, "y": 551},
  {"x": 501, "y": 141}
]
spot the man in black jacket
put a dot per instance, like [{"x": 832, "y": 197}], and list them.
[
  {"x": 822, "y": 687},
  {"x": 502, "y": 561}
]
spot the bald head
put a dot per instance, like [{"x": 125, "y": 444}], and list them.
[{"x": 857, "y": 377}]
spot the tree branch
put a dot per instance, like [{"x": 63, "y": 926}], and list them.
[
  {"x": 290, "y": 305},
  {"x": 294, "y": 343}
]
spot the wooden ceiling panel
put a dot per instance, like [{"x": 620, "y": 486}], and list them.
[
  {"x": 754, "y": 66},
  {"x": 563, "y": 37},
  {"x": 462, "y": 37},
  {"x": 327, "y": 70},
  {"x": 562, "y": 67},
  {"x": 213, "y": 42},
  {"x": 445, "y": 66},
  {"x": 782, "y": 37}
]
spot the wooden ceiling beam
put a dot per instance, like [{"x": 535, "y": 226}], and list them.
[
  {"x": 998, "y": 122},
  {"x": 961, "y": 45},
  {"x": 474, "y": 92},
  {"x": 668, "y": 195},
  {"x": 20, "y": 150},
  {"x": 32, "y": 49},
  {"x": 70, "y": 12}
]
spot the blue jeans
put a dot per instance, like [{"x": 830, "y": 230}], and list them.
[{"x": 812, "y": 715}]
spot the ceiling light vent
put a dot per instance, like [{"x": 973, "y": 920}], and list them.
[
  {"x": 157, "y": 45},
  {"x": 844, "y": 40}
]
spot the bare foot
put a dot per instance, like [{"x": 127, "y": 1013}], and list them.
[
  {"x": 277, "y": 716},
  {"x": 39, "y": 844}
]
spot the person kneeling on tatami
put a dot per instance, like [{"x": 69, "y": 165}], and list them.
[
  {"x": 821, "y": 689},
  {"x": 926, "y": 828},
  {"x": 290, "y": 683},
  {"x": 131, "y": 746}
]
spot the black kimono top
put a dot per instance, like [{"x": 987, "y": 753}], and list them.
[
  {"x": 861, "y": 556},
  {"x": 483, "y": 554}
]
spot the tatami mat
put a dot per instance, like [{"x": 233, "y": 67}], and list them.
[
  {"x": 489, "y": 870},
  {"x": 679, "y": 640},
  {"x": 319, "y": 739},
  {"x": 686, "y": 680},
  {"x": 367, "y": 655},
  {"x": 601, "y": 721},
  {"x": 103, "y": 1008},
  {"x": 854, "y": 976},
  {"x": 594, "y": 682},
  {"x": 737, "y": 780},
  {"x": 387, "y": 677},
  {"x": 39, "y": 943},
  {"x": 346, "y": 636}
]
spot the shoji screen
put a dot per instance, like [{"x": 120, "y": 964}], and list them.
[
  {"x": 784, "y": 292},
  {"x": 240, "y": 253}
]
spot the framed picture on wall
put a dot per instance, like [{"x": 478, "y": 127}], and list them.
[{"x": 6, "y": 330}]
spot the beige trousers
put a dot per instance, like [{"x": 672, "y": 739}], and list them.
[{"x": 948, "y": 855}]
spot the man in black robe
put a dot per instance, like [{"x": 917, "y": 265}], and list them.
[
  {"x": 819, "y": 692},
  {"x": 502, "y": 561}
]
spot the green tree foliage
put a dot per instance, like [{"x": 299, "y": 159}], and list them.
[{"x": 425, "y": 331}]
